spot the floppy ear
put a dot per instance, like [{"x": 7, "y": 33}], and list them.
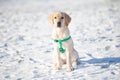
[
  {"x": 50, "y": 18},
  {"x": 67, "y": 19}
]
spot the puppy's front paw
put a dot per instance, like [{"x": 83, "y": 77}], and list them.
[
  {"x": 57, "y": 67},
  {"x": 69, "y": 69}
]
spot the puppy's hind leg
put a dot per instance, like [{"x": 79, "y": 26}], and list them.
[{"x": 75, "y": 63}]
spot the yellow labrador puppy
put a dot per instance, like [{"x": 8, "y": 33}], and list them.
[{"x": 64, "y": 52}]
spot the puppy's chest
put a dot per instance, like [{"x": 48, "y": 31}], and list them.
[{"x": 64, "y": 44}]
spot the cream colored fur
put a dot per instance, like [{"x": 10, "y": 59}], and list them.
[{"x": 70, "y": 57}]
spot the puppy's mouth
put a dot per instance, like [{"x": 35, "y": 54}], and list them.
[{"x": 59, "y": 24}]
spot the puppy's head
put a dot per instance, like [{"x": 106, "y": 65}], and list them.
[{"x": 59, "y": 19}]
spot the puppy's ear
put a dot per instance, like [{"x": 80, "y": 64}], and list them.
[
  {"x": 67, "y": 19},
  {"x": 50, "y": 18}
]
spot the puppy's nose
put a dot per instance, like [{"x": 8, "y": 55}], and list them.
[{"x": 59, "y": 24}]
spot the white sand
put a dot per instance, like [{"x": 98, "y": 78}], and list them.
[{"x": 26, "y": 45}]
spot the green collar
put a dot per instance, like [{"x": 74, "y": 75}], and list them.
[{"x": 60, "y": 43}]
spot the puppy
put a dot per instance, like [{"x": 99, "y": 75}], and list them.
[{"x": 69, "y": 56}]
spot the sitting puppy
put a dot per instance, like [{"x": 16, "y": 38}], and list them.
[{"x": 64, "y": 52}]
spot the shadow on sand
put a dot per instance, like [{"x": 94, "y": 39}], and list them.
[
  {"x": 111, "y": 60},
  {"x": 102, "y": 62}
]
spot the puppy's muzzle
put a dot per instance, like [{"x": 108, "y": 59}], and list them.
[{"x": 59, "y": 24}]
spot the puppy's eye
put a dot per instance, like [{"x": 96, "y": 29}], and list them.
[
  {"x": 62, "y": 17},
  {"x": 55, "y": 17}
]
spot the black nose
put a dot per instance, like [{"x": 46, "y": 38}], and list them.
[{"x": 59, "y": 24}]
